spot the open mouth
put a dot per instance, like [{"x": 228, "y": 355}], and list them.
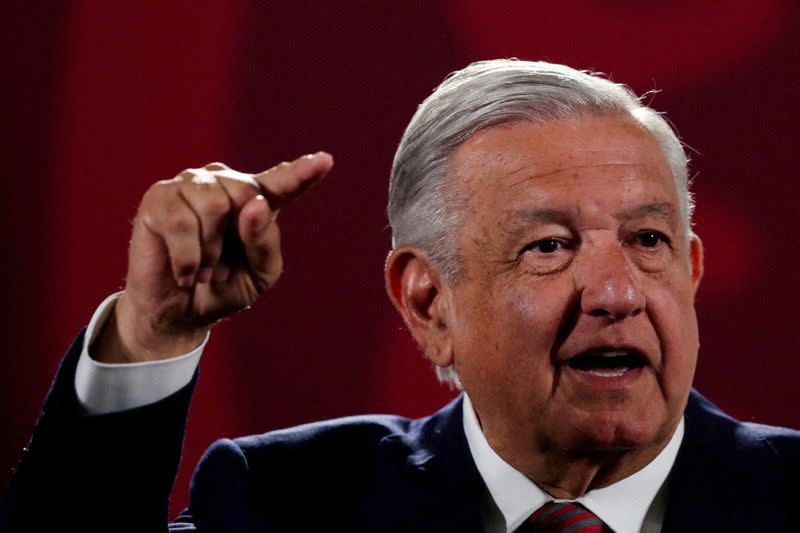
[{"x": 608, "y": 363}]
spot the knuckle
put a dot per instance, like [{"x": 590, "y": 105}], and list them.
[
  {"x": 236, "y": 178},
  {"x": 250, "y": 184},
  {"x": 184, "y": 175},
  {"x": 156, "y": 200},
  {"x": 214, "y": 207},
  {"x": 157, "y": 189},
  {"x": 180, "y": 223},
  {"x": 202, "y": 179},
  {"x": 147, "y": 197},
  {"x": 240, "y": 190},
  {"x": 216, "y": 165}
]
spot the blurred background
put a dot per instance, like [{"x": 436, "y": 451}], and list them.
[{"x": 100, "y": 99}]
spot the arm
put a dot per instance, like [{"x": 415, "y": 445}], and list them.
[
  {"x": 107, "y": 388},
  {"x": 115, "y": 469},
  {"x": 205, "y": 245}
]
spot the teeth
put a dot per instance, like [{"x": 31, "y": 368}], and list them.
[
  {"x": 609, "y": 372},
  {"x": 613, "y": 353}
]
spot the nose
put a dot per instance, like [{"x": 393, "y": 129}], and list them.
[{"x": 608, "y": 284}]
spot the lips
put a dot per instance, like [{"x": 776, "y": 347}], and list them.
[{"x": 608, "y": 362}]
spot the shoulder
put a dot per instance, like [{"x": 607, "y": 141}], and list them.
[
  {"x": 744, "y": 474},
  {"x": 365, "y": 447},
  {"x": 374, "y": 472},
  {"x": 345, "y": 438},
  {"x": 325, "y": 446},
  {"x": 364, "y": 429},
  {"x": 783, "y": 442},
  {"x": 752, "y": 450},
  {"x": 286, "y": 467},
  {"x": 709, "y": 420}
]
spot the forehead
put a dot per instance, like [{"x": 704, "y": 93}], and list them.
[{"x": 593, "y": 159}]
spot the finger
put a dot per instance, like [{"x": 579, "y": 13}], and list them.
[
  {"x": 261, "y": 239},
  {"x": 177, "y": 225},
  {"x": 283, "y": 183},
  {"x": 212, "y": 207},
  {"x": 240, "y": 187},
  {"x": 216, "y": 166},
  {"x": 214, "y": 173}
]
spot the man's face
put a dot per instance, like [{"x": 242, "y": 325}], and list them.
[{"x": 573, "y": 326}]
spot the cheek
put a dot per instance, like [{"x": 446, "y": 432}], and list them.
[
  {"x": 536, "y": 314},
  {"x": 672, "y": 313},
  {"x": 526, "y": 334},
  {"x": 508, "y": 334}
]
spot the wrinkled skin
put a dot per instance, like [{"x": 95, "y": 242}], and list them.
[{"x": 572, "y": 241}]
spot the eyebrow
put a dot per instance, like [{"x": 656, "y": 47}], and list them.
[
  {"x": 662, "y": 210},
  {"x": 540, "y": 215}
]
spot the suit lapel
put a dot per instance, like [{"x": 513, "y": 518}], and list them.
[{"x": 441, "y": 489}]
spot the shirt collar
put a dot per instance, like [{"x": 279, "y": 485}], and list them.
[{"x": 622, "y": 506}]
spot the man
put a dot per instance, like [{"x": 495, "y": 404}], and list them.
[{"x": 544, "y": 261}]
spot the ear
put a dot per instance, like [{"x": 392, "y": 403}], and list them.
[
  {"x": 696, "y": 258},
  {"x": 416, "y": 289}
]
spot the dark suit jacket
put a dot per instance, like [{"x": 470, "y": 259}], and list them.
[{"x": 369, "y": 473}]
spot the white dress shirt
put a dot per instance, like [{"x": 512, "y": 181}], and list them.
[
  {"x": 634, "y": 505},
  {"x": 107, "y": 388}
]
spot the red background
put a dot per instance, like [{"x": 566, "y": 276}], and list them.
[{"x": 100, "y": 99}]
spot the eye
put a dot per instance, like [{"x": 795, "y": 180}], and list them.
[
  {"x": 546, "y": 246},
  {"x": 651, "y": 239}
]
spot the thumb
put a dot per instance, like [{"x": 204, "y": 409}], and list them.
[{"x": 260, "y": 236}]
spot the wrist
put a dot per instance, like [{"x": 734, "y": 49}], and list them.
[{"x": 130, "y": 337}]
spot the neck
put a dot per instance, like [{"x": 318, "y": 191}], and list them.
[
  {"x": 568, "y": 474},
  {"x": 572, "y": 477}
]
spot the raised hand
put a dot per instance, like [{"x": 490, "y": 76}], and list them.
[{"x": 205, "y": 245}]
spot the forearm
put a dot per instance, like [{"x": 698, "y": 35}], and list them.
[{"x": 89, "y": 470}]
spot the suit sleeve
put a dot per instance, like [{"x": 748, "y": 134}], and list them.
[{"x": 110, "y": 472}]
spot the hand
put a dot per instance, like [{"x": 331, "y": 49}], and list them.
[{"x": 205, "y": 245}]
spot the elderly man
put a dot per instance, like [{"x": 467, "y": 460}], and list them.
[{"x": 544, "y": 261}]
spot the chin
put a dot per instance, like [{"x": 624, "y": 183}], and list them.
[{"x": 614, "y": 432}]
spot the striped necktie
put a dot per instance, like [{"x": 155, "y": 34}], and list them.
[{"x": 562, "y": 517}]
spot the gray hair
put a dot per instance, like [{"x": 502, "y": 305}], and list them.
[{"x": 424, "y": 211}]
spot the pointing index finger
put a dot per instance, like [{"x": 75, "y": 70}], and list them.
[{"x": 283, "y": 183}]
